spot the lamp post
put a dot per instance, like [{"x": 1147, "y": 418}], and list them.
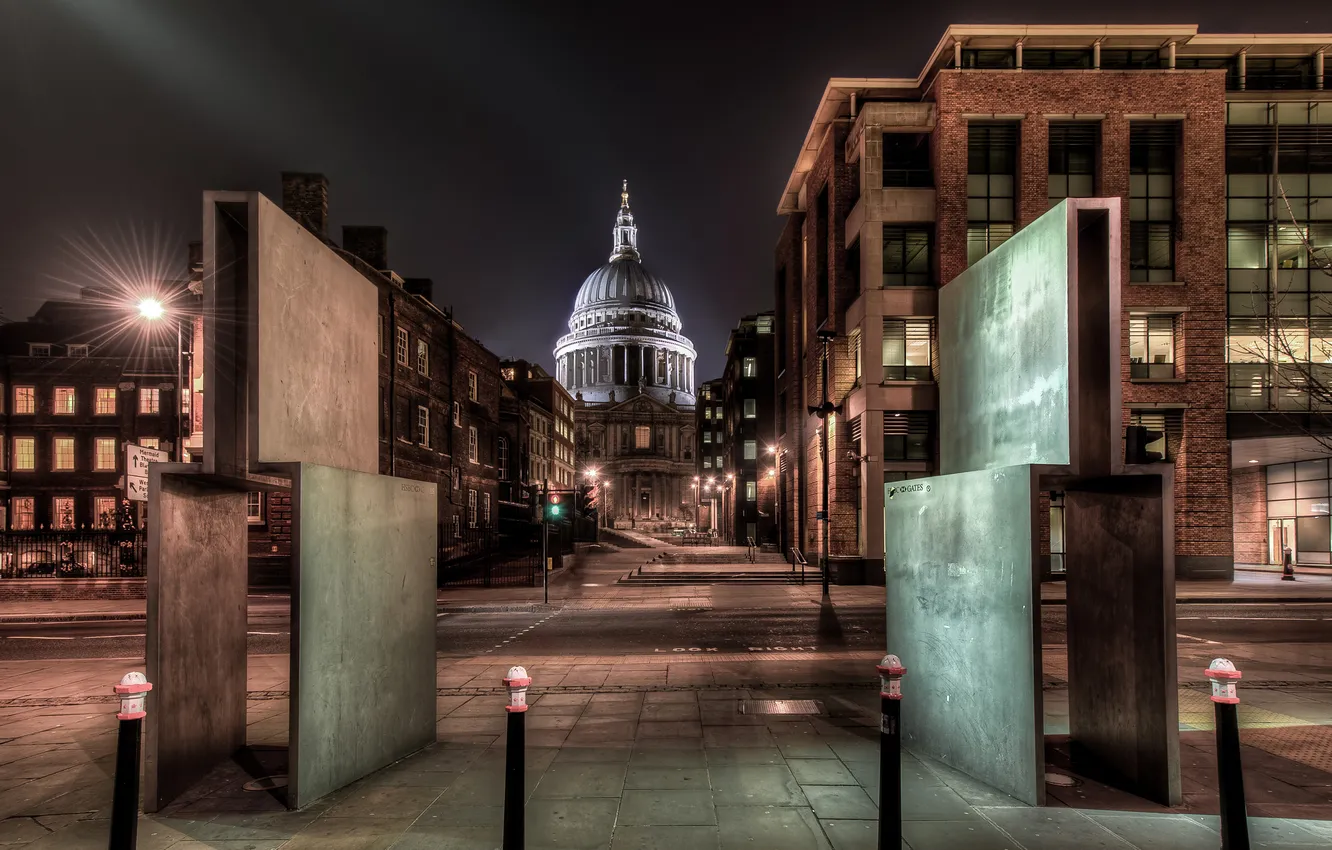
[
  {"x": 153, "y": 310},
  {"x": 824, "y": 412},
  {"x": 697, "y": 504},
  {"x": 776, "y": 471}
]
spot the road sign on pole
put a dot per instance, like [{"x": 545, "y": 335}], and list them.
[{"x": 137, "y": 459}]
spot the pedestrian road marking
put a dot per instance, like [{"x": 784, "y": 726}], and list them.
[
  {"x": 688, "y": 649},
  {"x": 783, "y": 649}
]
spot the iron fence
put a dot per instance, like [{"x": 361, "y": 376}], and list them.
[
  {"x": 508, "y": 553},
  {"x": 73, "y": 554}
]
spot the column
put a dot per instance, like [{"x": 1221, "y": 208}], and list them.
[{"x": 650, "y": 365}]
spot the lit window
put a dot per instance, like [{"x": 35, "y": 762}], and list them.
[
  {"x": 149, "y": 442},
  {"x": 906, "y": 349},
  {"x": 457, "y": 415},
  {"x": 751, "y": 449},
  {"x": 150, "y": 400},
  {"x": 471, "y": 509},
  {"x": 24, "y": 509},
  {"x": 104, "y": 512},
  {"x": 254, "y": 508},
  {"x": 62, "y": 512},
  {"x": 25, "y": 399},
  {"x": 422, "y": 357},
  {"x": 642, "y": 437},
  {"x": 471, "y": 385},
  {"x": 423, "y": 425},
  {"x": 106, "y": 401},
  {"x": 718, "y": 464},
  {"x": 751, "y": 408},
  {"x": 25, "y": 454},
  {"x": 707, "y": 436},
  {"x": 63, "y": 459},
  {"x": 751, "y": 491},
  {"x": 402, "y": 346},
  {"x": 1151, "y": 347},
  {"x": 707, "y": 413},
  {"x": 105, "y": 454},
  {"x": 64, "y": 401},
  {"x": 472, "y": 445},
  {"x": 707, "y": 461}
]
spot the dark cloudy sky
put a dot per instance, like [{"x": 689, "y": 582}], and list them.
[{"x": 489, "y": 137}]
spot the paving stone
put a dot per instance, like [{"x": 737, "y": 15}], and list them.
[
  {"x": 974, "y": 834},
  {"x": 743, "y": 755},
  {"x": 385, "y": 802},
  {"x": 1055, "y": 829},
  {"x": 580, "y": 824},
  {"x": 661, "y": 778},
  {"x": 1175, "y": 831},
  {"x": 840, "y": 801},
  {"x": 755, "y": 785},
  {"x": 349, "y": 834},
  {"x": 650, "y": 756},
  {"x": 666, "y": 838},
  {"x": 854, "y": 834},
  {"x": 821, "y": 772},
  {"x": 454, "y": 838},
  {"x": 582, "y": 779},
  {"x": 769, "y": 828},
  {"x": 667, "y": 808}
]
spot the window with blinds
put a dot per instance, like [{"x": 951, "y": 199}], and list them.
[
  {"x": 907, "y": 349},
  {"x": 1168, "y": 423},
  {"x": 906, "y": 435},
  {"x": 991, "y": 185},
  {"x": 1153, "y": 147},
  {"x": 1151, "y": 347},
  {"x": 1072, "y": 159}
]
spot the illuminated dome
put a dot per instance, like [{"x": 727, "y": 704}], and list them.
[{"x": 624, "y": 334}]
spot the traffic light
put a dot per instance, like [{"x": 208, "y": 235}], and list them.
[
  {"x": 554, "y": 507},
  {"x": 1136, "y": 440}
]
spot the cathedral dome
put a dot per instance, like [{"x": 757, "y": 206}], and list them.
[{"x": 624, "y": 334}]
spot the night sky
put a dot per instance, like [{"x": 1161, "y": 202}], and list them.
[{"x": 490, "y": 138}]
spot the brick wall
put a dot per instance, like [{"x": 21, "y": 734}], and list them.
[
  {"x": 1248, "y": 489},
  {"x": 1202, "y": 480}
]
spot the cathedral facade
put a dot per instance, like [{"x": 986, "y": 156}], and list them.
[{"x": 631, "y": 373}]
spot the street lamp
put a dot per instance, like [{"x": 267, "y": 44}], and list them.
[
  {"x": 824, "y": 412},
  {"x": 153, "y": 310}
]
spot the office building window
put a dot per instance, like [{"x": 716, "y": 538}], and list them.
[
  {"x": 485, "y": 509},
  {"x": 24, "y": 509},
  {"x": 422, "y": 357},
  {"x": 707, "y": 413},
  {"x": 717, "y": 464},
  {"x": 707, "y": 461},
  {"x": 1072, "y": 166},
  {"x": 62, "y": 455},
  {"x": 707, "y": 436},
  {"x": 104, "y": 451},
  {"x": 62, "y": 512},
  {"x": 906, "y": 349},
  {"x": 1152, "y": 152},
  {"x": 402, "y": 346},
  {"x": 104, "y": 511},
  {"x": 853, "y": 341},
  {"x": 457, "y": 415},
  {"x": 64, "y": 401},
  {"x": 1056, "y": 532},
  {"x": 25, "y": 454},
  {"x": 150, "y": 400},
  {"x": 642, "y": 437},
  {"x": 907, "y": 435},
  {"x": 105, "y": 401},
  {"x": 996, "y": 59},
  {"x": 25, "y": 400},
  {"x": 423, "y": 425},
  {"x": 457, "y": 477},
  {"x": 751, "y": 408},
  {"x": 906, "y": 161},
  {"x": 751, "y": 491},
  {"x": 749, "y": 367},
  {"x": 750, "y": 449},
  {"x": 254, "y": 508},
  {"x": 906, "y": 255},
  {"x": 1152, "y": 347},
  {"x": 991, "y": 192},
  {"x": 471, "y": 508},
  {"x": 473, "y": 445},
  {"x": 471, "y": 385},
  {"x": 1168, "y": 423},
  {"x": 1056, "y": 60}
]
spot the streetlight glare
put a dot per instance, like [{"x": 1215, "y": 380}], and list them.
[{"x": 151, "y": 308}]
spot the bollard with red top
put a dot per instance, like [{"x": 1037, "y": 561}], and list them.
[
  {"x": 133, "y": 690},
  {"x": 1230, "y": 776},
  {"x": 891, "y": 672},
  {"x": 517, "y": 682}
]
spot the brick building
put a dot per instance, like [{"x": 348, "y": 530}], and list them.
[
  {"x": 76, "y": 389},
  {"x": 902, "y": 183},
  {"x": 736, "y": 434},
  {"x": 709, "y": 420},
  {"x": 546, "y": 442}
]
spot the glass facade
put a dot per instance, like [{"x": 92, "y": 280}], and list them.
[{"x": 1297, "y": 507}]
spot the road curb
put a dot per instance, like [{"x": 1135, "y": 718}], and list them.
[
  {"x": 1233, "y": 600},
  {"x": 514, "y": 608},
  {"x": 110, "y": 616}
]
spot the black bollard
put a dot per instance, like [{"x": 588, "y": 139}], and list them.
[
  {"x": 133, "y": 690},
  {"x": 1230, "y": 775},
  {"x": 514, "y": 766},
  {"x": 891, "y": 672}
]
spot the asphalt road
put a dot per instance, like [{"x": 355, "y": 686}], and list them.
[{"x": 651, "y": 631}]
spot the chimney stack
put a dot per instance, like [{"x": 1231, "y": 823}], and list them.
[
  {"x": 305, "y": 198},
  {"x": 423, "y": 286},
  {"x": 368, "y": 242}
]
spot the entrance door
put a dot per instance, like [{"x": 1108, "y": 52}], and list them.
[{"x": 1280, "y": 534}]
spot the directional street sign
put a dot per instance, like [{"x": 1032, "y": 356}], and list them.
[{"x": 137, "y": 459}]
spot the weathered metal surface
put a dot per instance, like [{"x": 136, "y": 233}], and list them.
[
  {"x": 363, "y": 627},
  {"x": 963, "y": 615},
  {"x": 195, "y": 631}
]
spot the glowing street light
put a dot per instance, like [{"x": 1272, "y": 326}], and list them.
[{"x": 151, "y": 308}]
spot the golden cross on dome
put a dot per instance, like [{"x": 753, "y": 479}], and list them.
[{"x": 624, "y": 194}]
